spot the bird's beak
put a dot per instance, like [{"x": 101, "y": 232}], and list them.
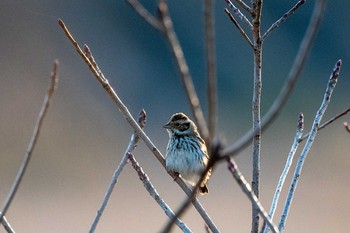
[{"x": 167, "y": 126}]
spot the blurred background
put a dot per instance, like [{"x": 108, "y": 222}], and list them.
[{"x": 84, "y": 135}]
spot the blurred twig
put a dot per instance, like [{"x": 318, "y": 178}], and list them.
[
  {"x": 124, "y": 110},
  {"x": 131, "y": 146},
  {"x": 183, "y": 68},
  {"x": 326, "y": 100},
  {"x": 144, "y": 13},
  {"x": 209, "y": 28},
  {"x": 285, "y": 171},
  {"x": 165, "y": 26},
  {"x": 44, "y": 108},
  {"x": 153, "y": 192},
  {"x": 8, "y": 228}
]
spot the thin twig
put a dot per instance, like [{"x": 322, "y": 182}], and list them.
[
  {"x": 347, "y": 126},
  {"x": 289, "y": 84},
  {"x": 33, "y": 140},
  {"x": 239, "y": 14},
  {"x": 244, "y": 6},
  {"x": 209, "y": 29},
  {"x": 124, "y": 110},
  {"x": 153, "y": 192},
  {"x": 91, "y": 58},
  {"x": 144, "y": 13},
  {"x": 8, "y": 228},
  {"x": 240, "y": 29},
  {"x": 289, "y": 162},
  {"x": 283, "y": 18},
  {"x": 237, "y": 175},
  {"x": 183, "y": 68},
  {"x": 336, "y": 117},
  {"x": 131, "y": 146},
  {"x": 326, "y": 100}
]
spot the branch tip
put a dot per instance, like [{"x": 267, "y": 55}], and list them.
[{"x": 61, "y": 23}]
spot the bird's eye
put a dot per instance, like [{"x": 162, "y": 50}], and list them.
[{"x": 177, "y": 124}]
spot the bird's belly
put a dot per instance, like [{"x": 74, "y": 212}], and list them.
[{"x": 186, "y": 164}]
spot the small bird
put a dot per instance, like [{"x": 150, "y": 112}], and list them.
[{"x": 186, "y": 153}]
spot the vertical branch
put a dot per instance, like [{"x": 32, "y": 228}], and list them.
[
  {"x": 209, "y": 17},
  {"x": 299, "y": 62},
  {"x": 326, "y": 100},
  {"x": 256, "y": 105},
  {"x": 33, "y": 140}
]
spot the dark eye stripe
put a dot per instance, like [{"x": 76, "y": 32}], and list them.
[{"x": 184, "y": 126}]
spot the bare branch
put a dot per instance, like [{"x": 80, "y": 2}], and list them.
[
  {"x": 8, "y": 228},
  {"x": 132, "y": 144},
  {"x": 124, "y": 110},
  {"x": 240, "y": 29},
  {"x": 144, "y": 13},
  {"x": 256, "y": 110},
  {"x": 153, "y": 192},
  {"x": 88, "y": 54},
  {"x": 326, "y": 100},
  {"x": 244, "y": 6},
  {"x": 284, "y": 174},
  {"x": 283, "y": 18},
  {"x": 237, "y": 175},
  {"x": 44, "y": 108},
  {"x": 256, "y": 12},
  {"x": 330, "y": 121},
  {"x": 209, "y": 29},
  {"x": 183, "y": 68},
  {"x": 239, "y": 14},
  {"x": 288, "y": 86}
]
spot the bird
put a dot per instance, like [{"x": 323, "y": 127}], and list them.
[{"x": 186, "y": 152}]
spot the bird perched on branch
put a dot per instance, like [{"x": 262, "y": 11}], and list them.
[{"x": 186, "y": 153}]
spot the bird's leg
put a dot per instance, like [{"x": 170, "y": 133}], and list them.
[{"x": 176, "y": 175}]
